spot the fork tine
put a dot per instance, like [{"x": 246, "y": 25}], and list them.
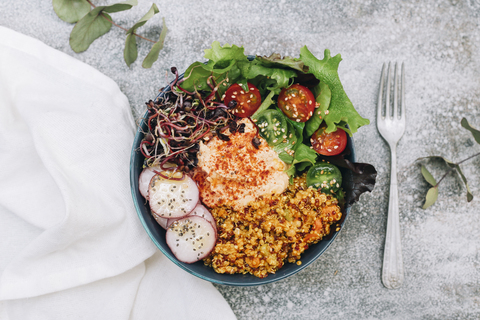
[
  {"x": 380, "y": 94},
  {"x": 402, "y": 95},
  {"x": 388, "y": 113},
  {"x": 395, "y": 93}
]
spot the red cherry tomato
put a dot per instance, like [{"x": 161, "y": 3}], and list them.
[
  {"x": 297, "y": 102},
  {"x": 246, "y": 103},
  {"x": 329, "y": 144}
]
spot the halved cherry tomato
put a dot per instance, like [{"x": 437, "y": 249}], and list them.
[
  {"x": 329, "y": 144},
  {"x": 273, "y": 126},
  {"x": 297, "y": 102},
  {"x": 245, "y": 103}
]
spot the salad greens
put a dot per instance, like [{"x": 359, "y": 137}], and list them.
[{"x": 228, "y": 65}]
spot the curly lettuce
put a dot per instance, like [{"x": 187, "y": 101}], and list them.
[{"x": 341, "y": 109}]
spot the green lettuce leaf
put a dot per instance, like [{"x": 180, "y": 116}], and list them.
[
  {"x": 341, "y": 108},
  {"x": 323, "y": 96},
  {"x": 275, "y": 60},
  {"x": 225, "y": 54}
]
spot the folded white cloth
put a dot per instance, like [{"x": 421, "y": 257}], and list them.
[{"x": 71, "y": 245}]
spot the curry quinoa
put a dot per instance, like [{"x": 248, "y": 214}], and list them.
[{"x": 271, "y": 230}]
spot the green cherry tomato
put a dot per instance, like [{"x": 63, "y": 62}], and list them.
[
  {"x": 324, "y": 176},
  {"x": 272, "y": 126}
]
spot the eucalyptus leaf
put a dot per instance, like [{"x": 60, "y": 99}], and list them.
[
  {"x": 153, "y": 11},
  {"x": 92, "y": 26},
  {"x": 71, "y": 10},
  {"x": 448, "y": 162},
  {"x": 475, "y": 132},
  {"x": 130, "y": 53},
  {"x": 469, "y": 193},
  {"x": 152, "y": 56},
  {"x": 121, "y": 6},
  {"x": 431, "y": 197},
  {"x": 428, "y": 176}
]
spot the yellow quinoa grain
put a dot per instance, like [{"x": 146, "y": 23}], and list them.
[{"x": 271, "y": 230}]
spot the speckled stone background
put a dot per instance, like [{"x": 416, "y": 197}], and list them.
[{"x": 439, "y": 42}]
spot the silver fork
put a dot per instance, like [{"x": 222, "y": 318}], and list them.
[{"x": 391, "y": 125}]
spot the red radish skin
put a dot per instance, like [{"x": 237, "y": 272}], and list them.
[
  {"x": 191, "y": 238},
  {"x": 144, "y": 180},
  {"x": 200, "y": 211},
  {"x": 169, "y": 198},
  {"x": 146, "y": 176},
  {"x": 203, "y": 212}
]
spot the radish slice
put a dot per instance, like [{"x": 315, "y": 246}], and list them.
[
  {"x": 203, "y": 212},
  {"x": 191, "y": 238},
  {"x": 146, "y": 176},
  {"x": 144, "y": 179},
  {"x": 200, "y": 211},
  {"x": 172, "y": 198},
  {"x": 163, "y": 222}
]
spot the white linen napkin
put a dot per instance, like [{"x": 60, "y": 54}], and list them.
[{"x": 71, "y": 245}]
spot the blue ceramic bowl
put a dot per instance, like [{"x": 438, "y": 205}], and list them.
[{"x": 157, "y": 233}]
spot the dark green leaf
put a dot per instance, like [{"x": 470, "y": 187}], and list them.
[
  {"x": 364, "y": 177},
  {"x": 153, "y": 11},
  {"x": 302, "y": 166},
  {"x": 121, "y": 6},
  {"x": 304, "y": 154},
  {"x": 71, "y": 10},
  {"x": 428, "y": 176},
  {"x": 475, "y": 132},
  {"x": 285, "y": 157},
  {"x": 130, "y": 52},
  {"x": 431, "y": 197},
  {"x": 152, "y": 56},
  {"x": 469, "y": 194},
  {"x": 92, "y": 26}
]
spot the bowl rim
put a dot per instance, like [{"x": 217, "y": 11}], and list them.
[{"x": 256, "y": 281}]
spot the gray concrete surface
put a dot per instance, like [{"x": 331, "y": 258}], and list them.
[{"x": 439, "y": 41}]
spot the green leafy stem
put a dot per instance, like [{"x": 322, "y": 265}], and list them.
[
  {"x": 92, "y": 22},
  {"x": 432, "y": 193}
]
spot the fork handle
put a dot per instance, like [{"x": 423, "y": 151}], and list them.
[{"x": 392, "y": 273}]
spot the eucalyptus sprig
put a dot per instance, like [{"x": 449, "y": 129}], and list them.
[
  {"x": 432, "y": 193},
  {"x": 92, "y": 22}
]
